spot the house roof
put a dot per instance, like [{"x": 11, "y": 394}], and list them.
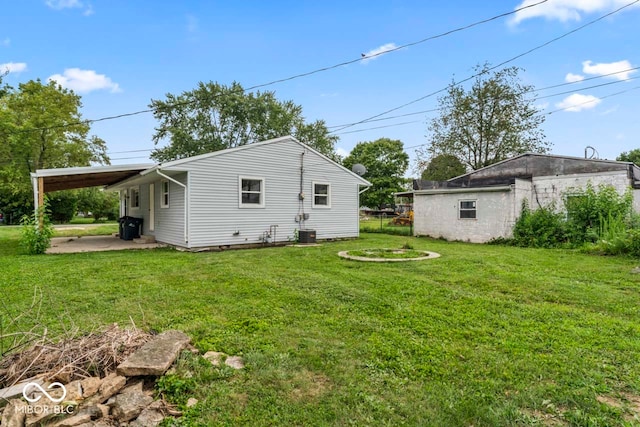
[
  {"x": 111, "y": 176},
  {"x": 529, "y": 165},
  {"x": 181, "y": 164},
  {"x": 89, "y": 176}
]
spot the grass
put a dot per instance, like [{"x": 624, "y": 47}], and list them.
[
  {"x": 483, "y": 336},
  {"x": 383, "y": 225}
]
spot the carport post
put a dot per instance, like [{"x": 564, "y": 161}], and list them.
[{"x": 40, "y": 202}]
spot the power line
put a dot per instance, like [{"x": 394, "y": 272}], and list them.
[
  {"x": 593, "y": 100},
  {"x": 379, "y": 127},
  {"x": 491, "y": 68},
  {"x": 296, "y": 76},
  {"x": 527, "y": 91}
]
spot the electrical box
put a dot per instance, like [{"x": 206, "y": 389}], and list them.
[{"x": 307, "y": 236}]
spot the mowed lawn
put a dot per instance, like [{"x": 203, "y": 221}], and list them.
[{"x": 483, "y": 336}]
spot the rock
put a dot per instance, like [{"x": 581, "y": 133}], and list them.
[
  {"x": 156, "y": 356},
  {"x": 192, "y": 402},
  {"x": 9, "y": 393},
  {"x": 14, "y": 413},
  {"x": 128, "y": 406},
  {"x": 235, "y": 362},
  {"x": 215, "y": 357},
  {"x": 90, "y": 386},
  {"x": 148, "y": 418},
  {"x": 73, "y": 421},
  {"x": 94, "y": 411},
  {"x": 74, "y": 390},
  {"x": 135, "y": 385},
  {"x": 111, "y": 384},
  {"x": 45, "y": 408},
  {"x": 635, "y": 270}
]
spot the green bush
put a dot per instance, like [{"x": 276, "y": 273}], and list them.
[
  {"x": 589, "y": 209},
  {"x": 63, "y": 205},
  {"x": 541, "y": 228},
  {"x": 36, "y": 239}
]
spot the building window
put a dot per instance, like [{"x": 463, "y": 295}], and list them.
[
  {"x": 251, "y": 192},
  {"x": 321, "y": 195},
  {"x": 134, "y": 195},
  {"x": 467, "y": 209},
  {"x": 164, "y": 194}
]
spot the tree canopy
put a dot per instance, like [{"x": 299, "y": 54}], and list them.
[
  {"x": 40, "y": 127},
  {"x": 494, "y": 120},
  {"x": 213, "y": 117},
  {"x": 443, "y": 167},
  {"x": 630, "y": 156},
  {"x": 386, "y": 163}
]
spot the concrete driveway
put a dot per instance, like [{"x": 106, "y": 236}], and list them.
[{"x": 69, "y": 245}]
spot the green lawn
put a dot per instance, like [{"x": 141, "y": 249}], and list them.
[{"x": 483, "y": 336}]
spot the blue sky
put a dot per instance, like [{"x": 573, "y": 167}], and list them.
[{"x": 121, "y": 54}]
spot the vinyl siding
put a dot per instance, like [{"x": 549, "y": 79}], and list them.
[
  {"x": 169, "y": 222},
  {"x": 215, "y": 219}
]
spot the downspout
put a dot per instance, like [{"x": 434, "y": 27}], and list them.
[{"x": 186, "y": 203}]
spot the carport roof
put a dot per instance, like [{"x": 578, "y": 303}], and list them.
[{"x": 90, "y": 176}]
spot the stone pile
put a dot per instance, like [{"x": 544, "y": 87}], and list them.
[{"x": 124, "y": 397}]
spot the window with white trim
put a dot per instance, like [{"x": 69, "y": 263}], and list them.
[
  {"x": 467, "y": 209},
  {"x": 134, "y": 196},
  {"x": 251, "y": 192},
  {"x": 321, "y": 195},
  {"x": 164, "y": 194}
]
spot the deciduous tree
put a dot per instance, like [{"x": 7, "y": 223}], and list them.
[
  {"x": 494, "y": 120},
  {"x": 630, "y": 156},
  {"x": 40, "y": 127},
  {"x": 386, "y": 163},
  {"x": 443, "y": 167},
  {"x": 213, "y": 117}
]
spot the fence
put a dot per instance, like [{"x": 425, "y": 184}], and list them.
[{"x": 383, "y": 223}]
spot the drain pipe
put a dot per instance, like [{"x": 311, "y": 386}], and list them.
[{"x": 186, "y": 202}]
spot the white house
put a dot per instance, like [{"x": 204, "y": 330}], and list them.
[
  {"x": 485, "y": 204},
  {"x": 256, "y": 193}
]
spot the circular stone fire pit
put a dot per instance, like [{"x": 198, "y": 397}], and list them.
[{"x": 388, "y": 255}]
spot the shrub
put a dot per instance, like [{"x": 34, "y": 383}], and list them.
[
  {"x": 62, "y": 205},
  {"x": 542, "y": 228},
  {"x": 36, "y": 239},
  {"x": 589, "y": 209}
]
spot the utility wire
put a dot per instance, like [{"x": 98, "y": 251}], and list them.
[
  {"x": 593, "y": 100},
  {"x": 296, "y": 76},
  {"x": 491, "y": 68}
]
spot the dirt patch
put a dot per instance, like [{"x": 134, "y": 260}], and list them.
[
  {"x": 628, "y": 402},
  {"x": 547, "y": 419},
  {"x": 309, "y": 385},
  {"x": 608, "y": 400}
]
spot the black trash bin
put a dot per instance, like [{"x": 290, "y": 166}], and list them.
[{"x": 131, "y": 227}]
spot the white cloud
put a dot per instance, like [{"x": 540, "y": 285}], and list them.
[
  {"x": 602, "y": 69},
  {"x": 342, "y": 152},
  {"x": 84, "y": 81},
  {"x": 63, "y": 4},
  {"x": 578, "y": 102},
  {"x": 377, "y": 52},
  {"x": 542, "y": 106},
  {"x": 565, "y": 10},
  {"x": 13, "y": 67},
  {"x": 572, "y": 78},
  {"x": 71, "y": 4},
  {"x": 6, "y": 42}
]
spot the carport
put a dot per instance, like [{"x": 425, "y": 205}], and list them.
[{"x": 47, "y": 180}]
